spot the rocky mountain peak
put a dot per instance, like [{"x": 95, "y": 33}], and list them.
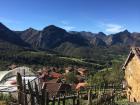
[
  {"x": 101, "y": 34},
  {"x": 51, "y": 28},
  {"x": 126, "y": 32}
]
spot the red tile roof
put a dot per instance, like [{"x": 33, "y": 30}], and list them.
[
  {"x": 54, "y": 89},
  {"x": 55, "y": 75},
  {"x": 81, "y": 85},
  {"x": 54, "y": 81}
]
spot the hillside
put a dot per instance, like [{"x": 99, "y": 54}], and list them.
[
  {"x": 93, "y": 50},
  {"x": 9, "y": 39},
  {"x": 55, "y": 38},
  {"x": 78, "y": 44}
]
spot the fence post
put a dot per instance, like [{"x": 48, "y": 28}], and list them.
[
  {"x": 74, "y": 100},
  {"x": 43, "y": 94},
  {"x": 47, "y": 97},
  {"x": 59, "y": 101},
  {"x": 78, "y": 101},
  {"x": 37, "y": 93},
  {"x": 53, "y": 101},
  {"x": 31, "y": 93},
  {"x": 89, "y": 98},
  {"x": 25, "y": 93},
  {"x": 20, "y": 89},
  {"x": 64, "y": 101}
]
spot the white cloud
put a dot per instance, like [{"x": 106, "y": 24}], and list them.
[
  {"x": 66, "y": 25},
  {"x": 113, "y": 28},
  {"x": 64, "y": 22},
  {"x": 68, "y": 28}
]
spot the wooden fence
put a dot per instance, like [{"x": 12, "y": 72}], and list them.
[{"x": 32, "y": 94}]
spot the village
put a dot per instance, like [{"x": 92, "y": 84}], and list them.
[
  {"x": 57, "y": 80},
  {"x": 68, "y": 85},
  {"x": 49, "y": 75}
]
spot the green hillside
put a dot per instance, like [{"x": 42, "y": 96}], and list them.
[{"x": 101, "y": 59}]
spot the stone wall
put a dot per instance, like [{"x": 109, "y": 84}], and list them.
[{"x": 132, "y": 76}]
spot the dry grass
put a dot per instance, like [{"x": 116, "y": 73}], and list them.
[{"x": 2, "y": 103}]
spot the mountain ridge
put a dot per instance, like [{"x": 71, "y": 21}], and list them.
[
  {"x": 8, "y": 37},
  {"x": 68, "y": 43}
]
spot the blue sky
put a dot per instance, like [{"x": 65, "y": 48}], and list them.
[{"x": 109, "y": 16}]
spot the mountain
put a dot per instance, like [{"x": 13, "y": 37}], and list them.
[
  {"x": 101, "y": 35},
  {"x": 30, "y": 36},
  {"x": 136, "y": 38},
  {"x": 121, "y": 38},
  {"x": 51, "y": 37},
  {"x": 79, "y": 44},
  {"x": 9, "y": 38},
  {"x": 96, "y": 41}
]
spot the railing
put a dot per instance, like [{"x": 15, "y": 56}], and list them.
[{"x": 31, "y": 94}]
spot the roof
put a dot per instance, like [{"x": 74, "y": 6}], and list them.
[
  {"x": 133, "y": 51},
  {"x": 12, "y": 66},
  {"x": 55, "y": 88},
  {"x": 3, "y": 74},
  {"x": 136, "y": 50},
  {"x": 54, "y": 81},
  {"x": 82, "y": 69},
  {"x": 81, "y": 85},
  {"x": 55, "y": 75},
  {"x": 69, "y": 68},
  {"x": 22, "y": 70}
]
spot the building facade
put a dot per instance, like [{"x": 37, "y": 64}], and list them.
[{"x": 131, "y": 68}]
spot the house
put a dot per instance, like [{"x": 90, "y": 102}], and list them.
[
  {"x": 46, "y": 75},
  {"x": 54, "y": 81},
  {"x": 69, "y": 69},
  {"x": 56, "y": 89},
  {"x": 55, "y": 75},
  {"x": 12, "y": 66},
  {"x": 131, "y": 68},
  {"x": 81, "y": 85},
  {"x": 82, "y": 71}
]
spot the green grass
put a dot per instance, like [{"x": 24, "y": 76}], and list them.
[{"x": 122, "y": 102}]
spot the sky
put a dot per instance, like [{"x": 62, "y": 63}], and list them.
[{"x": 108, "y": 16}]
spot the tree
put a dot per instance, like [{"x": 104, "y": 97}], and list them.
[{"x": 71, "y": 77}]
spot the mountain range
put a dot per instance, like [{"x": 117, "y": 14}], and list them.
[{"x": 82, "y": 44}]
